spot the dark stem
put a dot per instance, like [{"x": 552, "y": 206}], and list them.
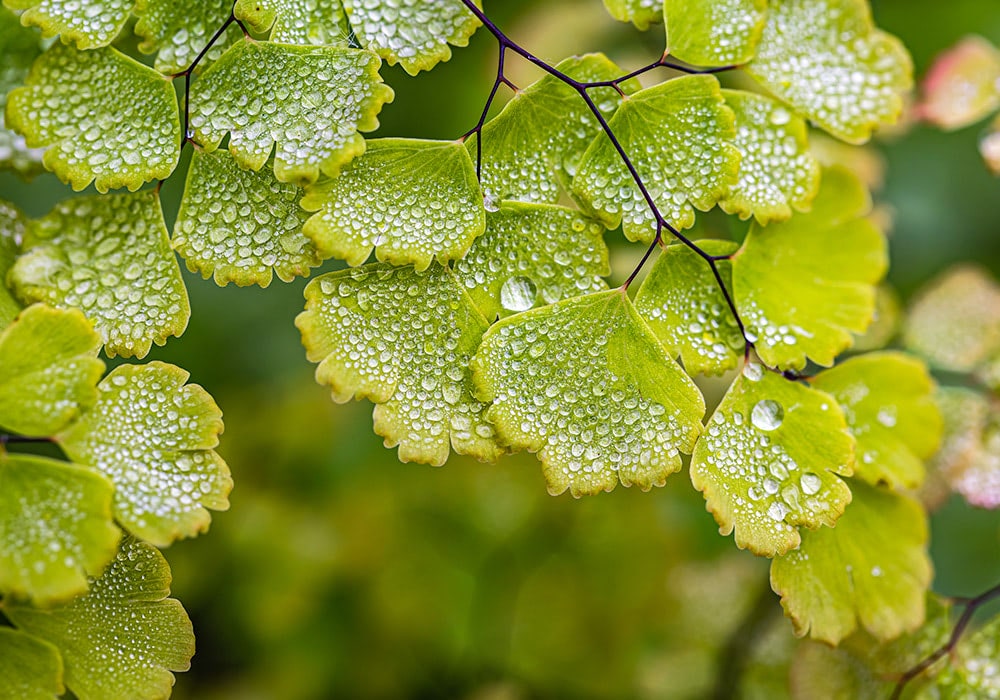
[
  {"x": 6, "y": 439},
  {"x": 187, "y": 136},
  {"x": 478, "y": 128}
]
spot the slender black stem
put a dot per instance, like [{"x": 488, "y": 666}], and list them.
[
  {"x": 478, "y": 128},
  {"x": 186, "y": 133}
]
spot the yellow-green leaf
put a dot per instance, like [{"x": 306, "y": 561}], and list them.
[
  {"x": 316, "y": 22},
  {"x": 714, "y": 32},
  {"x": 13, "y": 225},
  {"x": 19, "y": 47},
  {"x": 963, "y": 85},
  {"x": 87, "y": 23},
  {"x": 178, "y": 30},
  {"x": 641, "y": 13},
  {"x": 30, "y": 669}
]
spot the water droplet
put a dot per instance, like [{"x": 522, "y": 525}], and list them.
[
  {"x": 753, "y": 372},
  {"x": 767, "y": 415},
  {"x": 518, "y": 294},
  {"x": 810, "y": 483}
]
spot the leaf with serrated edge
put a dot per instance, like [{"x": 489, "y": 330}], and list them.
[
  {"x": 777, "y": 172},
  {"x": 178, "y": 30},
  {"x": 769, "y": 459},
  {"x": 30, "y": 669},
  {"x": 123, "y": 639},
  {"x": 19, "y": 47},
  {"x": 152, "y": 435},
  {"x": 826, "y": 59},
  {"x": 586, "y": 385},
  {"x": 679, "y": 135},
  {"x": 87, "y": 23},
  {"x": 106, "y": 118},
  {"x": 532, "y": 149},
  {"x": 402, "y": 339},
  {"x": 121, "y": 273},
  {"x": 641, "y": 13},
  {"x": 872, "y": 569},
  {"x": 412, "y": 200},
  {"x": 305, "y": 103},
  {"x": 887, "y": 399},
  {"x": 240, "y": 225},
  {"x": 802, "y": 286},
  {"x": 13, "y": 225},
  {"x": 48, "y": 370},
  {"x": 56, "y": 520},
  {"x": 714, "y": 32},
  {"x": 963, "y": 85},
  {"x": 533, "y": 254},
  {"x": 413, "y": 33},
  {"x": 681, "y": 301},
  {"x": 316, "y": 22}
]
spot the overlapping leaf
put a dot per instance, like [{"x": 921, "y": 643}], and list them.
[
  {"x": 19, "y": 46},
  {"x": 152, "y": 436},
  {"x": 13, "y": 225},
  {"x": 963, "y": 85},
  {"x": 641, "y": 13},
  {"x": 679, "y": 135},
  {"x": 802, "y": 286},
  {"x": 714, "y": 32},
  {"x": 106, "y": 118},
  {"x": 412, "y": 200},
  {"x": 30, "y": 669},
  {"x": 306, "y": 103},
  {"x": 769, "y": 460},
  {"x": 403, "y": 339},
  {"x": 316, "y": 22},
  {"x": 586, "y": 385},
  {"x": 240, "y": 225},
  {"x": 178, "y": 30},
  {"x": 121, "y": 273},
  {"x": 87, "y": 23}
]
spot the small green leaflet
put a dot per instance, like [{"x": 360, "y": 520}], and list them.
[
  {"x": 679, "y": 135},
  {"x": 769, "y": 459},
  {"x": 240, "y": 225},
  {"x": 87, "y": 23},
  {"x": 714, "y": 32},
  {"x": 885, "y": 326},
  {"x": 412, "y": 200},
  {"x": 123, "y": 639},
  {"x": 121, "y": 273},
  {"x": 178, "y": 30},
  {"x": 152, "y": 436},
  {"x": 413, "y": 33},
  {"x": 973, "y": 672},
  {"x": 586, "y": 385},
  {"x": 802, "y": 286},
  {"x": 403, "y": 339},
  {"x": 872, "y": 569},
  {"x": 533, "y": 254},
  {"x": 961, "y": 87},
  {"x": 681, "y": 301},
  {"x": 57, "y": 528},
  {"x": 316, "y": 22},
  {"x": 48, "y": 370},
  {"x": 105, "y": 117},
  {"x": 13, "y": 224},
  {"x": 641, "y": 13},
  {"x": 19, "y": 46},
  {"x": 887, "y": 399},
  {"x": 30, "y": 669},
  {"x": 827, "y": 60},
  {"x": 305, "y": 103}
]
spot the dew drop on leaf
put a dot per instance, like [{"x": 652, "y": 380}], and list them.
[
  {"x": 518, "y": 294},
  {"x": 767, "y": 415}
]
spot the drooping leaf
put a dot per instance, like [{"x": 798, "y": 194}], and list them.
[
  {"x": 55, "y": 519},
  {"x": 679, "y": 136},
  {"x": 413, "y": 33},
  {"x": 974, "y": 671},
  {"x": 681, "y": 301},
  {"x": 777, "y": 172},
  {"x": 533, "y": 254},
  {"x": 152, "y": 436},
  {"x": 121, "y": 273},
  {"x": 641, "y": 13},
  {"x": 105, "y": 117},
  {"x": 240, "y": 225},
  {"x": 714, "y": 32},
  {"x": 802, "y": 286},
  {"x": 888, "y": 401},
  {"x": 412, "y": 200},
  {"x": 586, "y": 385},
  {"x": 769, "y": 461},
  {"x": 305, "y": 103},
  {"x": 48, "y": 370},
  {"x": 87, "y": 23},
  {"x": 123, "y": 639},
  {"x": 19, "y": 47},
  {"x": 13, "y": 224},
  {"x": 963, "y": 85},
  {"x": 178, "y": 30},
  {"x": 30, "y": 669},
  {"x": 828, "y": 61},
  {"x": 304, "y": 22},
  {"x": 403, "y": 339},
  {"x": 885, "y": 325}
]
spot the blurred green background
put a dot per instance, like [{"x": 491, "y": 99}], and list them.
[{"x": 340, "y": 572}]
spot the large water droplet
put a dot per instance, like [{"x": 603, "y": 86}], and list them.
[
  {"x": 810, "y": 483},
  {"x": 518, "y": 294},
  {"x": 767, "y": 415},
  {"x": 753, "y": 372}
]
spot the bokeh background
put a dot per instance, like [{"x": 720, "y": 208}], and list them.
[{"x": 340, "y": 572}]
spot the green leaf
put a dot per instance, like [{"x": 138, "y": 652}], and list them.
[
  {"x": 533, "y": 254},
  {"x": 827, "y": 60},
  {"x": 872, "y": 569},
  {"x": 30, "y": 669},
  {"x": 19, "y": 47},
  {"x": 965, "y": 415},
  {"x": 56, "y": 524},
  {"x": 769, "y": 459},
  {"x": 178, "y": 30},
  {"x": 973, "y": 672},
  {"x": 411, "y": 200},
  {"x": 152, "y": 436},
  {"x": 714, "y": 32},
  {"x": 403, "y": 339},
  {"x": 777, "y": 172},
  {"x": 641, "y": 13},
  {"x": 819, "y": 672},
  {"x": 585, "y": 384},
  {"x": 305, "y": 103},
  {"x": 110, "y": 257},
  {"x": 963, "y": 85},
  {"x": 48, "y": 370},
  {"x": 317, "y": 22},
  {"x": 802, "y": 286},
  {"x": 885, "y": 326},
  {"x": 681, "y": 301},
  {"x": 532, "y": 149},
  {"x": 13, "y": 224},
  {"x": 106, "y": 118},
  {"x": 413, "y": 33},
  {"x": 679, "y": 135},
  {"x": 123, "y": 639},
  {"x": 87, "y": 23},
  {"x": 240, "y": 225}
]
